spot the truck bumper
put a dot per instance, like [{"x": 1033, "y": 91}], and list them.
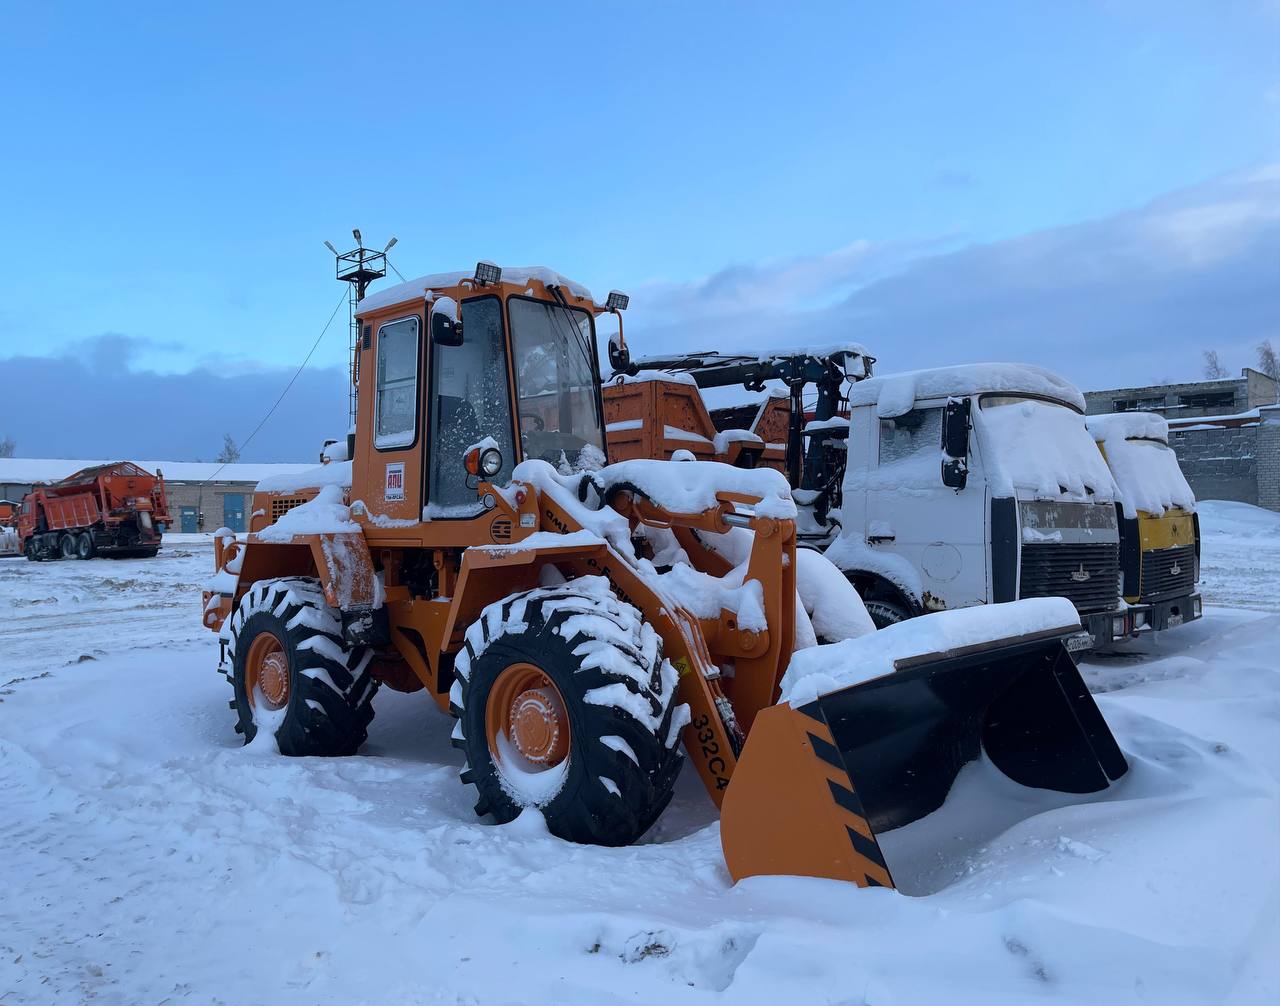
[
  {"x": 1173, "y": 612},
  {"x": 1101, "y": 628}
]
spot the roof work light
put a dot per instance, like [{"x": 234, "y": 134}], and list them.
[
  {"x": 617, "y": 301},
  {"x": 487, "y": 273}
]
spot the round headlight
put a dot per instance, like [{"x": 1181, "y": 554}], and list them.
[{"x": 491, "y": 462}]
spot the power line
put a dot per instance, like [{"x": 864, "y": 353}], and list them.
[{"x": 296, "y": 373}]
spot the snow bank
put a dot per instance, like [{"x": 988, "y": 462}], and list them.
[
  {"x": 1143, "y": 464},
  {"x": 824, "y": 669},
  {"x": 326, "y": 514},
  {"x": 1238, "y": 520},
  {"x": 896, "y": 394},
  {"x": 1040, "y": 447},
  {"x": 691, "y": 487},
  {"x": 417, "y": 289},
  {"x": 337, "y": 473}
]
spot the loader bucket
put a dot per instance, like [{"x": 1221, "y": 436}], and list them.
[{"x": 817, "y": 788}]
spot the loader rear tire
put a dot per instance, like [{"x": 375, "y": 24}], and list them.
[
  {"x": 287, "y": 652},
  {"x": 572, "y": 677}
]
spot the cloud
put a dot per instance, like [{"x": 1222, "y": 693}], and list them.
[
  {"x": 1121, "y": 300},
  {"x": 90, "y": 404}
]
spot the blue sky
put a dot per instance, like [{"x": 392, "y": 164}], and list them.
[{"x": 170, "y": 173}]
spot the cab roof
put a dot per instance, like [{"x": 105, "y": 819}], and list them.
[
  {"x": 415, "y": 290},
  {"x": 896, "y": 394}
]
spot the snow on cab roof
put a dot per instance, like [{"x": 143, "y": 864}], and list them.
[
  {"x": 1128, "y": 426},
  {"x": 41, "y": 471},
  {"x": 416, "y": 289},
  {"x": 896, "y": 394}
]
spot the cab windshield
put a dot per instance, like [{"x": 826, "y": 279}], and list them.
[{"x": 556, "y": 390}]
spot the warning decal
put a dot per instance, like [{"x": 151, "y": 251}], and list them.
[{"x": 395, "y": 482}]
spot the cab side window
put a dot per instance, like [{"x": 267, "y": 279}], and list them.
[
  {"x": 396, "y": 402},
  {"x": 912, "y": 438}
]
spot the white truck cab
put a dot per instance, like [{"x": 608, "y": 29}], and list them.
[{"x": 978, "y": 484}]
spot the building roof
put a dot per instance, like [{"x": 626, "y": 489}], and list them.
[{"x": 35, "y": 471}]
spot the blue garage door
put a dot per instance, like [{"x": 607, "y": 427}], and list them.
[
  {"x": 187, "y": 516},
  {"x": 233, "y": 511}
]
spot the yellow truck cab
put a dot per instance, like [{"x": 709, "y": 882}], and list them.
[{"x": 1159, "y": 528}]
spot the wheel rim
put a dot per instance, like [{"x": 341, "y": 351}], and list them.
[
  {"x": 266, "y": 672},
  {"x": 527, "y": 710}
]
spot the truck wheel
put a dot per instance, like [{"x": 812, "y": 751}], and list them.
[
  {"x": 67, "y": 546},
  {"x": 287, "y": 653},
  {"x": 84, "y": 546},
  {"x": 565, "y": 703},
  {"x": 884, "y": 612},
  {"x": 29, "y": 550}
]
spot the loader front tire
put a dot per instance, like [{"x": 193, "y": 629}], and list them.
[
  {"x": 565, "y": 703},
  {"x": 287, "y": 653}
]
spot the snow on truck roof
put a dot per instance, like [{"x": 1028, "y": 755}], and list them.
[
  {"x": 1128, "y": 426},
  {"x": 416, "y": 289},
  {"x": 896, "y": 394}
]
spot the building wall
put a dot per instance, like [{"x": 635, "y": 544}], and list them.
[
  {"x": 1219, "y": 463},
  {"x": 207, "y": 498},
  {"x": 1184, "y": 401},
  {"x": 1269, "y": 458}
]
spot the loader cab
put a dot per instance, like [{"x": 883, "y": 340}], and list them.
[
  {"x": 462, "y": 377},
  {"x": 975, "y": 485}
]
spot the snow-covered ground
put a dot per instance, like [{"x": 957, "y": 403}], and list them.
[{"x": 146, "y": 857}]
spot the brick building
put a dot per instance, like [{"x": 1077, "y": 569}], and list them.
[
  {"x": 1226, "y": 433},
  {"x": 222, "y": 493}
]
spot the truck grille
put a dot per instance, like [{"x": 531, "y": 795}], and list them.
[
  {"x": 1168, "y": 572},
  {"x": 1058, "y": 570}
]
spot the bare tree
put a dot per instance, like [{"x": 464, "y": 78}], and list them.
[
  {"x": 1267, "y": 361},
  {"x": 7, "y": 447},
  {"x": 1213, "y": 368},
  {"x": 230, "y": 452}
]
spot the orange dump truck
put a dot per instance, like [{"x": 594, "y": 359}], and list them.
[{"x": 116, "y": 510}]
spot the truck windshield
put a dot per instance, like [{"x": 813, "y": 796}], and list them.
[
  {"x": 1039, "y": 447},
  {"x": 556, "y": 385}
]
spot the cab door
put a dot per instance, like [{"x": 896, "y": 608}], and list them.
[
  {"x": 391, "y": 381},
  {"x": 469, "y": 400}
]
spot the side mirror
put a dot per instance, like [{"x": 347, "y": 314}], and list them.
[
  {"x": 446, "y": 323},
  {"x": 955, "y": 443},
  {"x": 619, "y": 355}
]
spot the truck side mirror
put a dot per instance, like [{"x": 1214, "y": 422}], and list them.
[
  {"x": 955, "y": 443},
  {"x": 446, "y": 322}
]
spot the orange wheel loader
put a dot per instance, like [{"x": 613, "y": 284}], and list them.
[{"x": 588, "y": 625}]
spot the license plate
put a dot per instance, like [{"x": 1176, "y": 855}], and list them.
[
  {"x": 1080, "y": 641},
  {"x": 1174, "y": 620}
]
